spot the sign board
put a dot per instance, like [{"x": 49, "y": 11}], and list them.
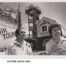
[{"x": 7, "y": 33}]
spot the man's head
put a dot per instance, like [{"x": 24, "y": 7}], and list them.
[
  {"x": 55, "y": 30},
  {"x": 20, "y": 34}
]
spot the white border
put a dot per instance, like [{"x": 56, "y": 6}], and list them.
[
  {"x": 32, "y": 0},
  {"x": 35, "y": 60}
]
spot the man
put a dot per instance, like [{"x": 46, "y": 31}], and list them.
[
  {"x": 57, "y": 44},
  {"x": 19, "y": 46}
]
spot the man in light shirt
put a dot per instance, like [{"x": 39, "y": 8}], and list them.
[
  {"x": 57, "y": 44},
  {"x": 19, "y": 46}
]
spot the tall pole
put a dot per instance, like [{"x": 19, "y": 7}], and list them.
[{"x": 19, "y": 18}]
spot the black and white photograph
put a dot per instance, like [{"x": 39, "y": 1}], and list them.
[{"x": 32, "y": 28}]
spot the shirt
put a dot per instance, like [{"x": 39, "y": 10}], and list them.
[
  {"x": 15, "y": 48},
  {"x": 53, "y": 48}
]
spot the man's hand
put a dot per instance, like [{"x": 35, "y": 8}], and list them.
[{"x": 40, "y": 53}]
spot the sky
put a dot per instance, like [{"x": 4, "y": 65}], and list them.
[{"x": 54, "y": 10}]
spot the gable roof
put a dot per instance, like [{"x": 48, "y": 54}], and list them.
[{"x": 46, "y": 20}]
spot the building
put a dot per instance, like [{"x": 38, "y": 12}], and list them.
[
  {"x": 42, "y": 32},
  {"x": 43, "y": 25}
]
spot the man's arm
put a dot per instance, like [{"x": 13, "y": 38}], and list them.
[{"x": 29, "y": 49}]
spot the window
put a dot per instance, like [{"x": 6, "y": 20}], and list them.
[
  {"x": 31, "y": 24},
  {"x": 44, "y": 28}
]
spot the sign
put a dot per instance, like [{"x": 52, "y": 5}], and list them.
[{"x": 5, "y": 33}]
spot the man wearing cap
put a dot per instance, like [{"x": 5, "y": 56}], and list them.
[{"x": 19, "y": 46}]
